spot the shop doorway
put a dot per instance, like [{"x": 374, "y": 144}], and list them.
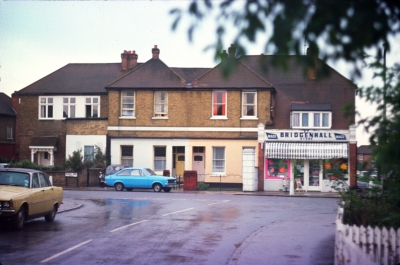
[{"x": 309, "y": 172}]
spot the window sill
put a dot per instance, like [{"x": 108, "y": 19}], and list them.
[
  {"x": 221, "y": 174},
  {"x": 311, "y": 128},
  {"x": 160, "y": 118},
  {"x": 249, "y": 118},
  {"x": 219, "y": 118},
  {"x": 127, "y": 118}
]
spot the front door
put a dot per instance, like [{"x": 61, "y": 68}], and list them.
[
  {"x": 198, "y": 165},
  {"x": 180, "y": 164},
  {"x": 248, "y": 169},
  {"x": 314, "y": 175}
]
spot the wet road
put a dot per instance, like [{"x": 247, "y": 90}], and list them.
[{"x": 177, "y": 228}]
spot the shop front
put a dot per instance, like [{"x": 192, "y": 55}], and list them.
[{"x": 305, "y": 160}]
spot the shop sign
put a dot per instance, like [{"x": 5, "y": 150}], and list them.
[{"x": 307, "y": 135}]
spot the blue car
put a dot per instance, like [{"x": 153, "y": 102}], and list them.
[{"x": 139, "y": 178}]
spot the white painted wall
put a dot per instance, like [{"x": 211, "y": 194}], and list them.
[{"x": 76, "y": 142}]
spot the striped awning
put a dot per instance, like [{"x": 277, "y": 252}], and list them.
[{"x": 305, "y": 150}]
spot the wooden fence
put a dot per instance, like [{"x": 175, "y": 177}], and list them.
[{"x": 365, "y": 245}]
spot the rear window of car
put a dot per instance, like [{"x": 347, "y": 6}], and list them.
[{"x": 14, "y": 179}]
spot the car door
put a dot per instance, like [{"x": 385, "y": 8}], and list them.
[
  {"x": 47, "y": 192},
  {"x": 35, "y": 200},
  {"x": 139, "y": 179}
]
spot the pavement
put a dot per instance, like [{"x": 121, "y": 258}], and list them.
[{"x": 69, "y": 205}]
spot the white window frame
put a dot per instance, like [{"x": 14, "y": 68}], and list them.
[
  {"x": 160, "y": 105},
  {"x": 310, "y": 119},
  {"x": 214, "y": 104},
  {"x": 128, "y": 104},
  {"x": 160, "y": 158},
  {"x": 245, "y": 104},
  {"x": 70, "y": 107},
  {"x": 216, "y": 171},
  {"x": 92, "y": 105},
  {"x": 46, "y": 105},
  {"x": 361, "y": 157},
  {"x": 90, "y": 156},
  {"x": 9, "y": 132},
  {"x": 127, "y": 159}
]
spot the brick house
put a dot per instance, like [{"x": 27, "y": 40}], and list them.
[
  {"x": 8, "y": 148},
  {"x": 168, "y": 118},
  {"x": 364, "y": 157}
]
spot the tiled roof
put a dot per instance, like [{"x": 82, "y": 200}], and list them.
[
  {"x": 152, "y": 74},
  {"x": 76, "y": 79},
  {"x": 241, "y": 77},
  {"x": 6, "y": 105},
  {"x": 364, "y": 149},
  {"x": 311, "y": 107},
  {"x": 44, "y": 141}
]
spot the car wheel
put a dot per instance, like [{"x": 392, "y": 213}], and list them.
[
  {"x": 50, "y": 216},
  {"x": 19, "y": 219},
  {"x": 167, "y": 189},
  {"x": 119, "y": 186},
  {"x": 129, "y": 189},
  {"x": 157, "y": 187}
]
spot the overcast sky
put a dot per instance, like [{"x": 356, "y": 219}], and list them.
[{"x": 37, "y": 38}]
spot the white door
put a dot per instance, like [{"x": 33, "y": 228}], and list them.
[
  {"x": 198, "y": 165},
  {"x": 250, "y": 181}
]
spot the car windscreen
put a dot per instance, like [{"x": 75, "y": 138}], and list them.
[
  {"x": 148, "y": 172},
  {"x": 14, "y": 179}
]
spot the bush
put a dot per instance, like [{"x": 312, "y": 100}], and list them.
[
  {"x": 74, "y": 162},
  {"x": 203, "y": 186},
  {"x": 374, "y": 206},
  {"x": 28, "y": 164}
]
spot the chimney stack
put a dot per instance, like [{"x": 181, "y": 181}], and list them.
[
  {"x": 312, "y": 57},
  {"x": 124, "y": 61},
  {"x": 232, "y": 51},
  {"x": 156, "y": 52},
  {"x": 132, "y": 60},
  {"x": 224, "y": 55}
]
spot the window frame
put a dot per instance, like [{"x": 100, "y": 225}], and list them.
[
  {"x": 311, "y": 120},
  {"x": 214, "y": 105},
  {"x": 69, "y": 106},
  {"x": 85, "y": 155},
  {"x": 129, "y": 103},
  {"x": 92, "y": 105},
  {"x": 214, "y": 160},
  {"x": 47, "y": 107},
  {"x": 160, "y": 158},
  {"x": 160, "y": 114},
  {"x": 10, "y": 135},
  {"x": 254, "y": 104},
  {"x": 126, "y": 158}
]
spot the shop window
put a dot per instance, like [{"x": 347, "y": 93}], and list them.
[
  {"x": 160, "y": 104},
  {"x": 127, "y": 156},
  {"x": 334, "y": 169},
  {"x": 277, "y": 168},
  {"x": 219, "y": 104},
  {"x": 218, "y": 160},
  {"x": 159, "y": 158},
  {"x": 46, "y": 107}
]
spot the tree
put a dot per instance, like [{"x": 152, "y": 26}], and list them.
[{"x": 338, "y": 29}]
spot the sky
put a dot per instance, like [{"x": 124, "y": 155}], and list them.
[{"x": 39, "y": 37}]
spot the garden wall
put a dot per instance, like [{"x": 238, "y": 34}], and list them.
[{"x": 84, "y": 178}]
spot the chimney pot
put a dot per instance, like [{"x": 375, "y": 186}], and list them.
[
  {"x": 124, "y": 61},
  {"x": 156, "y": 52}
]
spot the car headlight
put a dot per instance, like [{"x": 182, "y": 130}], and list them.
[{"x": 6, "y": 204}]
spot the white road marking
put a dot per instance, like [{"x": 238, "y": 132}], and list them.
[
  {"x": 122, "y": 227},
  {"x": 65, "y": 251},
  {"x": 178, "y": 211},
  {"x": 217, "y": 202}
]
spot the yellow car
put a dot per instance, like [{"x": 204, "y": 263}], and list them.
[{"x": 26, "y": 194}]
